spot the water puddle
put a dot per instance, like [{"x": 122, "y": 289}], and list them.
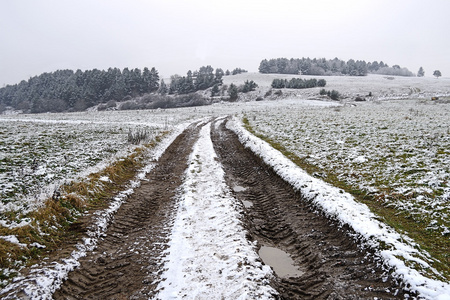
[
  {"x": 238, "y": 188},
  {"x": 280, "y": 261},
  {"x": 247, "y": 204}
]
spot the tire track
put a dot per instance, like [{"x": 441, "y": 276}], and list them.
[
  {"x": 127, "y": 262},
  {"x": 334, "y": 265}
]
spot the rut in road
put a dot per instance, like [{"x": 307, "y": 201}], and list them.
[
  {"x": 126, "y": 263},
  {"x": 334, "y": 266}
]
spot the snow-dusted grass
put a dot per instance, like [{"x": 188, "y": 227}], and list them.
[
  {"x": 209, "y": 256},
  {"x": 44, "y": 278},
  {"x": 38, "y": 155},
  {"x": 393, "y": 153},
  {"x": 404, "y": 145},
  {"x": 397, "y": 251},
  {"x": 382, "y": 87},
  {"x": 84, "y": 156}
]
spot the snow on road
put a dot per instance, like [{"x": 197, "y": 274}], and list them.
[{"x": 209, "y": 256}]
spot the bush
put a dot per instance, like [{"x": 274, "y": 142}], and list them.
[
  {"x": 334, "y": 95},
  {"x": 248, "y": 86},
  {"x": 138, "y": 136},
  {"x": 233, "y": 92},
  {"x": 129, "y": 105},
  {"x": 321, "y": 83}
]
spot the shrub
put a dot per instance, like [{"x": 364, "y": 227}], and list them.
[
  {"x": 233, "y": 92},
  {"x": 278, "y": 93},
  {"x": 334, "y": 95},
  {"x": 321, "y": 82},
  {"x": 138, "y": 136}
]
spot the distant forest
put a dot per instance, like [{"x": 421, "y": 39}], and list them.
[
  {"x": 324, "y": 67},
  {"x": 66, "y": 90}
]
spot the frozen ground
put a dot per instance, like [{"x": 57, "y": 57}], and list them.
[
  {"x": 398, "y": 151},
  {"x": 382, "y": 87},
  {"x": 209, "y": 256},
  {"x": 399, "y": 252},
  {"x": 404, "y": 144}
]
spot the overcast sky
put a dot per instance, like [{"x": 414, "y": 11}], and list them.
[{"x": 175, "y": 36}]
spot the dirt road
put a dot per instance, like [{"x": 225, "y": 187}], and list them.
[{"x": 129, "y": 260}]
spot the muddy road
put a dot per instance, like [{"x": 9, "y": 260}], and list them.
[
  {"x": 129, "y": 259},
  {"x": 332, "y": 263}
]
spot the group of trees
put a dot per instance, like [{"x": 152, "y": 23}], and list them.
[
  {"x": 202, "y": 79},
  {"x": 333, "y": 94},
  {"x": 298, "y": 83},
  {"x": 421, "y": 73},
  {"x": 66, "y": 90},
  {"x": 234, "y": 90},
  {"x": 322, "y": 66},
  {"x": 235, "y": 71}
]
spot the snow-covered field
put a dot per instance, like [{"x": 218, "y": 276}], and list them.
[
  {"x": 38, "y": 153},
  {"x": 382, "y": 87},
  {"x": 396, "y": 150}
]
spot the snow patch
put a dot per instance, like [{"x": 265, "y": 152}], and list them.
[
  {"x": 12, "y": 239},
  {"x": 209, "y": 256}
]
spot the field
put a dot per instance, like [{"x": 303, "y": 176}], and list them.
[
  {"x": 391, "y": 153},
  {"x": 394, "y": 154},
  {"x": 38, "y": 153},
  {"x": 397, "y": 151}
]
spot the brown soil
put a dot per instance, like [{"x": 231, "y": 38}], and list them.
[
  {"x": 334, "y": 265},
  {"x": 127, "y": 263}
]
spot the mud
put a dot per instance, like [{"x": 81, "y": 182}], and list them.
[
  {"x": 334, "y": 266},
  {"x": 127, "y": 263}
]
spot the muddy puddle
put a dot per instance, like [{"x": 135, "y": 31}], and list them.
[
  {"x": 247, "y": 204},
  {"x": 239, "y": 188},
  {"x": 280, "y": 261}
]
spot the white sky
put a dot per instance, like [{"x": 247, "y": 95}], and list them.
[{"x": 175, "y": 36}]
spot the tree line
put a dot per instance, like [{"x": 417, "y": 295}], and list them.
[
  {"x": 66, "y": 90},
  {"x": 298, "y": 83},
  {"x": 324, "y": 67},
  {"x": 202, "y": 79}
]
